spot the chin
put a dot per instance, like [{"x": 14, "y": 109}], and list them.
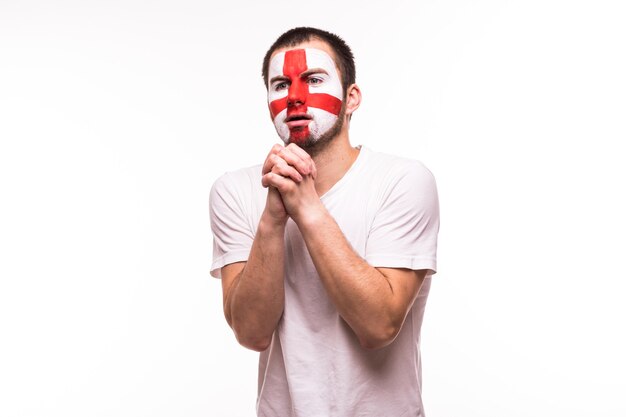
[
  {"x": 302, "y": 142},
  {"x": 322, "y": 130}
]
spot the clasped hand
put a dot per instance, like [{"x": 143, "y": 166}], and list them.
[{"x": 289, "y": 173}]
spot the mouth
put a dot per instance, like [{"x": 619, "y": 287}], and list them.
[
  {"x": 296, "y": 117},
  {"x": 298, "y": 120}
]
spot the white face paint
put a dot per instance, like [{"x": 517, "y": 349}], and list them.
[{"x": 304, "y": 95}]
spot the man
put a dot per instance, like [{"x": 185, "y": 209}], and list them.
[{"x": 326, "y": 250}]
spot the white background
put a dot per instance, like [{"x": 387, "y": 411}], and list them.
[{"x": 117, "y": 116}]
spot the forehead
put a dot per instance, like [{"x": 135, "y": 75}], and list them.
[{"x": 319, "y": 49}]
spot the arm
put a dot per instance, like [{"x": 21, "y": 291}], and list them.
[
  {"x": 373, "y": 301},
  {"x": 253, "y": 291}
]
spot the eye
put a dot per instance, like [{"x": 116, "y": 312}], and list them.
[
  {"x": 314, "y": 80},
  {"x": 281, "y": 86}
]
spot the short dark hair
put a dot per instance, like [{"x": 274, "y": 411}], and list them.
[{"x": 343, "y": 54}]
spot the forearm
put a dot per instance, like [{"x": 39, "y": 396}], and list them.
[
  {"x": 374, "y": 305},
  {"x": 255, "y": 300},
  {"x": 362, "y": 295}
]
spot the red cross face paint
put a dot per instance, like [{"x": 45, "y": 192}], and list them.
[{"x": 305, "y": 94}]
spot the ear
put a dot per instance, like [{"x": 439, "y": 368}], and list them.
[{"x": 353, "y": 99}]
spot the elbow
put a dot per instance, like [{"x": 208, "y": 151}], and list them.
[
  {"x": 258, "y": 345},
  {"x": 247, "y": 338},
  {"x": 378, "y": 338},
  {"x": 252, "y": 341},
  {"x": 252, "y": 334}
]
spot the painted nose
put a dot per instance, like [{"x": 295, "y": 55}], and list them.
[{"x": 298, "y": 92}]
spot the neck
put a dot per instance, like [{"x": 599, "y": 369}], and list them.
[{"x": 334, "y": 161}]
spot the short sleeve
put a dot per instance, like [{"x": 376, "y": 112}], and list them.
[
  {"x": 404, "y": 230},
  {"x": 232, "y": 235}
]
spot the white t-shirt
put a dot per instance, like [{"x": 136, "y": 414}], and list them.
[{"x": 387, "y": 208}]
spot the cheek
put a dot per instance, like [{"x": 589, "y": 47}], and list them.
[
  {"x": 281, "y": 127},
  {"x": 323, "y": 121},
  {"x": 325, "y": 102},
  {"x": 278, "y": 105}
]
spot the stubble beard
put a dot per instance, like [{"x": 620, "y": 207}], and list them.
[{"x": 314, "y": 146}]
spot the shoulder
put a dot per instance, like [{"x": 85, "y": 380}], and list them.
[
  {"x": 239, "y": 176},
  {"x": 395, "y": 169},
  {"x": 239, "y": 183}
]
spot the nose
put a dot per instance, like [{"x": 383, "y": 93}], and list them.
[{"x": 298, "y": 92}]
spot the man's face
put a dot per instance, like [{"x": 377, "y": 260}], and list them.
[{"x": 304, "y": 95}]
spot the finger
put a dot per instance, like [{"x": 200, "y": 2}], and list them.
[
  {"x": 279, "y": 182},
  {"x": 274, "y": 151},
  {"x": 296, "y": 161},
  {"x": 287, "y": 171},
  {"x": 313, "y": 169},
  {"x": 298, "y": 150},
  {"x": 264, "y": 181},
  {"x": 302, "y": 154},
  {"x": 272, "y": 160}
]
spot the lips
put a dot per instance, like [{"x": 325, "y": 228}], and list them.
[
  {"x": 298, "y": 120},
  {"x": 300, "y": 116}
]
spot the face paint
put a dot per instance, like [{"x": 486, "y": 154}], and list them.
[{"x": 305, "y": 94}]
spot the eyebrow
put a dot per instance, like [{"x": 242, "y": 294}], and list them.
[
  {"x": 279, "y": 78},
  {"x": 304, "y": 74},
  {"x": 313, "y": 71}
]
